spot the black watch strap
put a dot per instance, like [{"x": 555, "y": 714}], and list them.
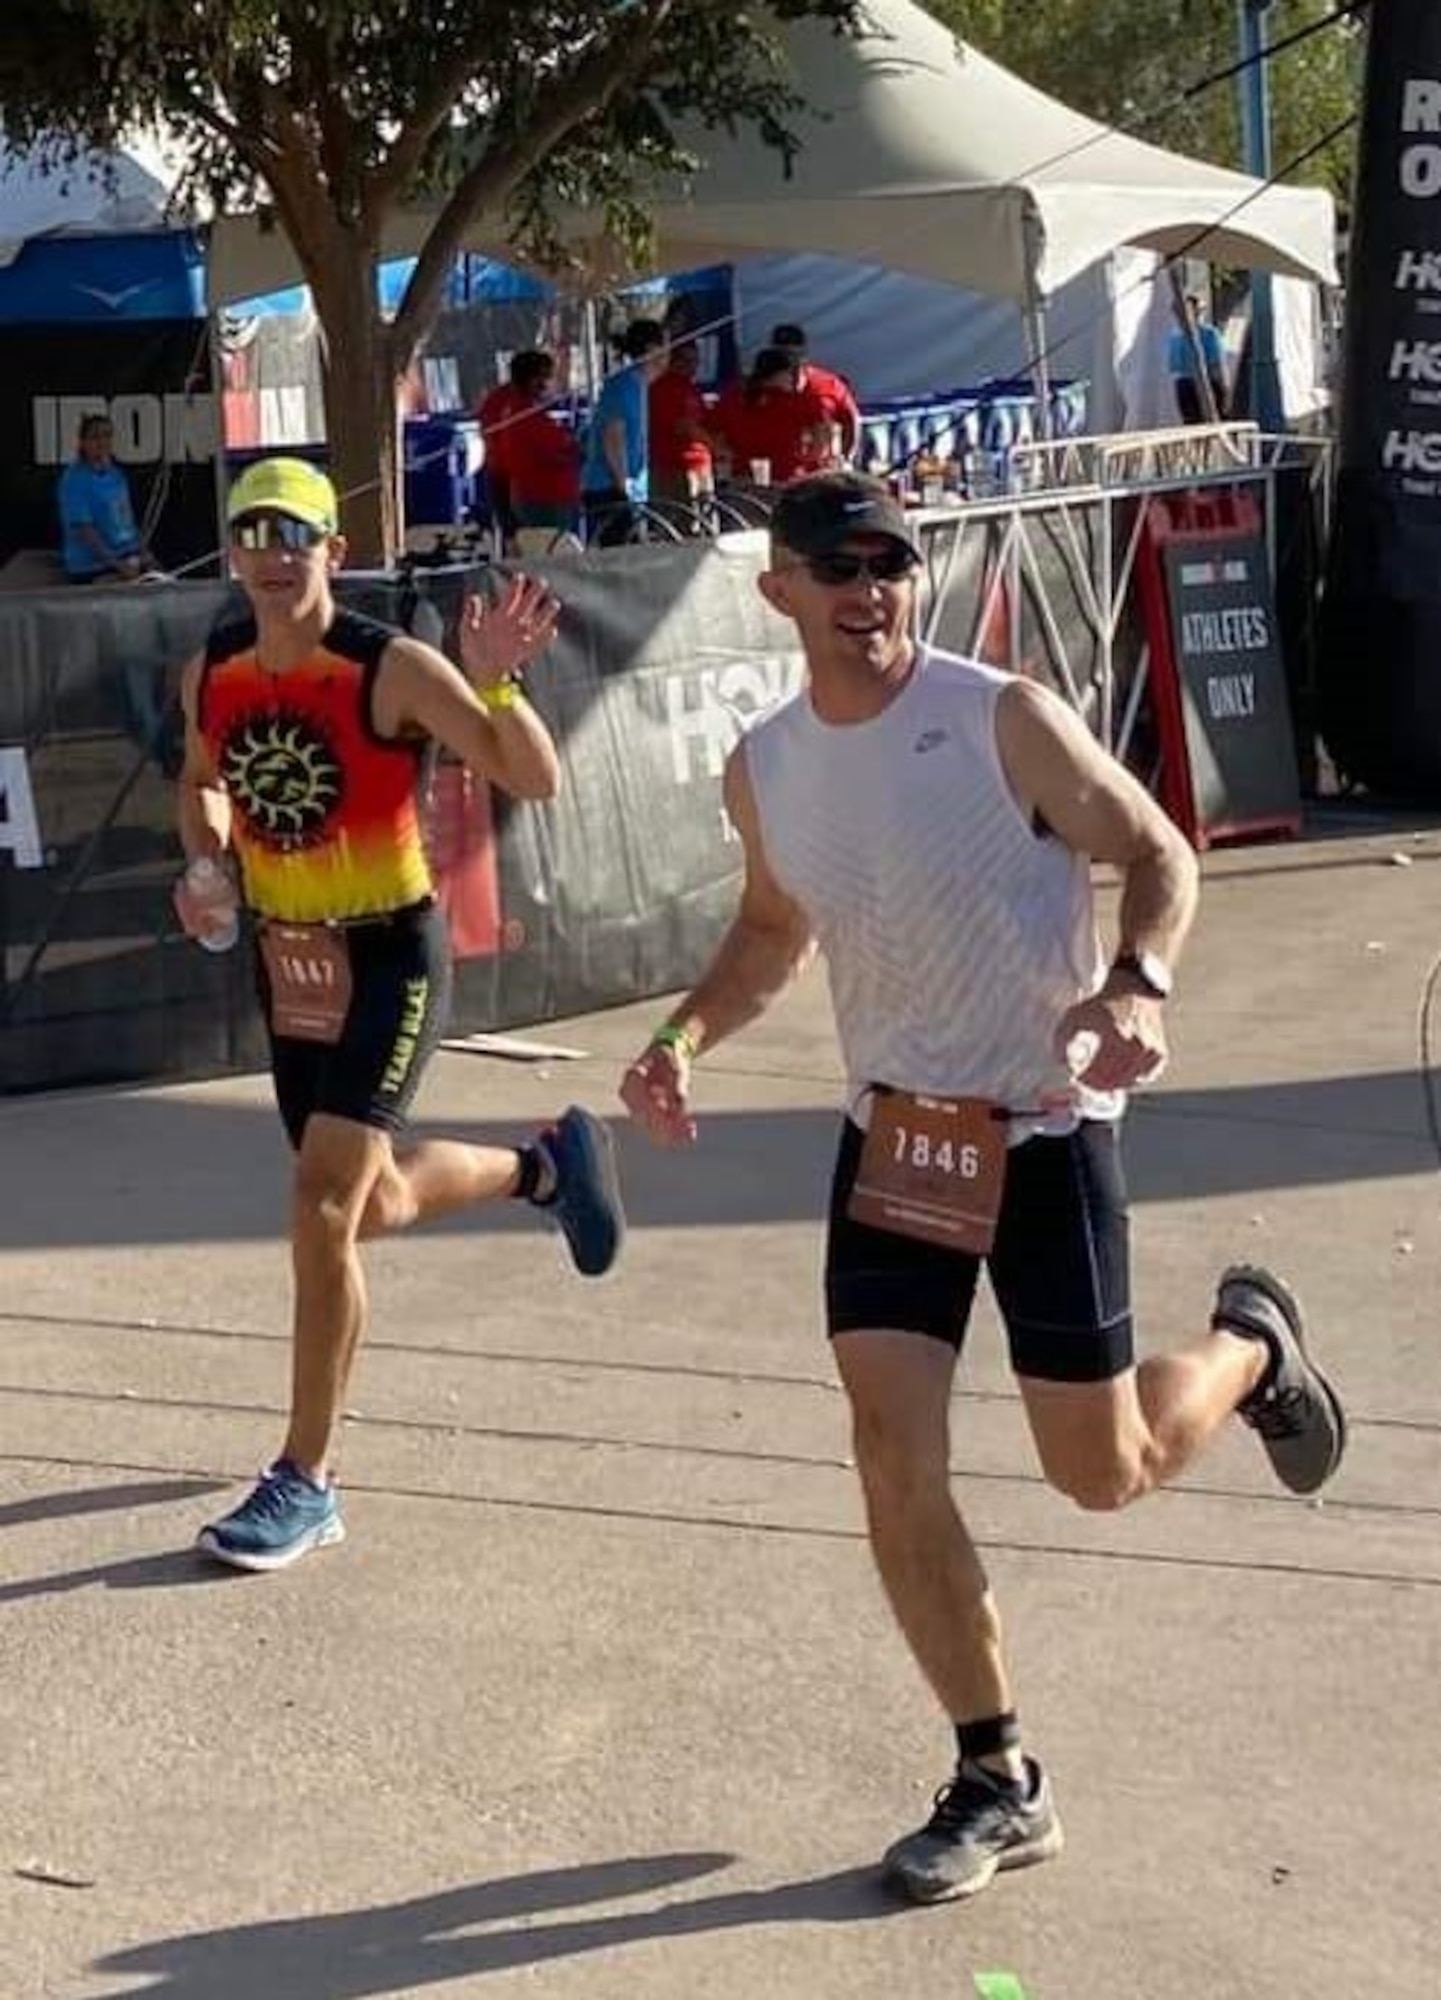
[{"x": 1150, "y": 973}]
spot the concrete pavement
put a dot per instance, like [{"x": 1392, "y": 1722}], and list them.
[{"x": 600, "y": 1697}]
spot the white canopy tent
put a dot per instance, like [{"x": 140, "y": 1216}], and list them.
[
  {"x": 919, "y": 154},
  {"x": 100, "y": 194}
]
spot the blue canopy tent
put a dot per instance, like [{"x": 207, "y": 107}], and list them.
[{"x": 102, "y": 309}]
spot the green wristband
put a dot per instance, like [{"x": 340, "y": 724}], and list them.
[{"x": 680, "y": 1039}]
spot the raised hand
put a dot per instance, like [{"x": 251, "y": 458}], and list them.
[{"x": 497, "y": 640}]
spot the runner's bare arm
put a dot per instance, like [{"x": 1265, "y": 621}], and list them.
[
  {"x": 612, "y": 441},
  {"x": 202, "y": 807},
  {"x": 768, "y": 945},
  {"x": 480, "y": 714},
  {"x": 1059, "y": 772},
  {"x": 418, "y": 688}
]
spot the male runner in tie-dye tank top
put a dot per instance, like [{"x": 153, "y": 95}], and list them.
[{"x": 305, "y": 725}]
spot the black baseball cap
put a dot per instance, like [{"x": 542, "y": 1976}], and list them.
[{"x": 815, "y": 516}]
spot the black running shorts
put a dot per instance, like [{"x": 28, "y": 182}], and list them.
[
  {"x": 400, "y": 998},
  {"x": 1059, "y": 1267}
]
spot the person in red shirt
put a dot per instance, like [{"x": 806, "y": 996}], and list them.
[
  {"x": 495, "y": 415},
  {"x": 769, "y": 417},
  {"x": 834, "y": 390},
  {"x": 532, "y": 462},
  {"x": 682, "y": 465}
]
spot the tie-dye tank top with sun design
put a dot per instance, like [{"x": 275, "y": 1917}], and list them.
[{"x": 325, "y": 819}]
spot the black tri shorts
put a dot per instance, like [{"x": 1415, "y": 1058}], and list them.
[
  {"x": 400, "y": 999},
  {"x": 1059, "y": 1267}
]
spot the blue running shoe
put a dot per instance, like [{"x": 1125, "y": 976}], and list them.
[
  {"x": 285, "y": 1517},
  {"x": 586, "y": 1201}
]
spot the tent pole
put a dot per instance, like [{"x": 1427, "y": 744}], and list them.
[
  {"x": 1205, "y": 387},
  {"x": 591, "y": 343},
  {"x": 1035, "y": 319},
  {"x": 1033, "y": 314},
  {"x": 220, "y": 464}
]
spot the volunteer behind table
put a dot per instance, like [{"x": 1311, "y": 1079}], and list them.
[{"x": 769, "y": 418}]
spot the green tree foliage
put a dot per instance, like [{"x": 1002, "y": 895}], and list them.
[
  {"x": 1119, "y": 60},
  {"x": 336, "y": 112}
]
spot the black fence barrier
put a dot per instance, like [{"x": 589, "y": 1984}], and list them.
[
  {"x": 617, "y": 890},
  {"x": 614, "y": 891}
]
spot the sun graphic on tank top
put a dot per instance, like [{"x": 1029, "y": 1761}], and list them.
[{"x": 283, "y": 773}]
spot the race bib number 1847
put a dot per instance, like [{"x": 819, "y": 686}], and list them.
[{"x": 310, "y": 980}]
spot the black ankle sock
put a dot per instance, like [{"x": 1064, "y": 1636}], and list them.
[
  {"x": 990, "y": 1736},
  {"x": 528, "y": 1180}
]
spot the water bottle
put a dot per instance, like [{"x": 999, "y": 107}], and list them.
[{"x": 211, "y": 889}]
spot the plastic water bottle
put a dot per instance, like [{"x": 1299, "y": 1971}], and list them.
[{"x": 211, "y": 889}]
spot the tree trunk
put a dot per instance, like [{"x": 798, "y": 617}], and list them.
[{"x": 361, "y": 400}]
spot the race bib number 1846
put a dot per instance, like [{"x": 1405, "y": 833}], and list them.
[{"x": 933, "y": 1168}]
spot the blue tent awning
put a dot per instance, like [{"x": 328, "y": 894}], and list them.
[{"x": 61, "y": 280}]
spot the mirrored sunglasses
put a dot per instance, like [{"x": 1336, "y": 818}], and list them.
[
  {"x": 275, "y": 531},
  {"x": 893, "y": 565}
]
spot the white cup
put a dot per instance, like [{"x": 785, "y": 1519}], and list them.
[{"x": 761, "y": 471}]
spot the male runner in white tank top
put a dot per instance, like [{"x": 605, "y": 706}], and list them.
[{"x": 929, "y": 825}]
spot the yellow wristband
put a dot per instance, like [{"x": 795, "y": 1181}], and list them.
[{"x": 499, "y": 695}]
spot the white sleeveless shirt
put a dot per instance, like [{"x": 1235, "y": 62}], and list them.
[{"x": 955, "y": 936}]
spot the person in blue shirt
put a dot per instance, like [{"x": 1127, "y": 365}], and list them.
[
  {"x": 100, "y": 536},
  {"x": 615, "y": 478},
  {"x": 1193, "y": 332}
]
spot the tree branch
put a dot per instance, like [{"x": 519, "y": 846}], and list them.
[
  {"x": 392, "y": 179},
  {"x": 280, "y": 150},
  {"x": 191, "y": 106},
  {"x": 585, "y": 89},
  {"x": 394, "y": 175}
]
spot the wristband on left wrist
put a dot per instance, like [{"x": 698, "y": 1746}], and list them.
[
  {"x": 681, "y": 1040},
  {"x": 499, "y": 695}
]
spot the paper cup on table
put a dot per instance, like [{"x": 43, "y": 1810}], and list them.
[{"x": 760, "y": 471}]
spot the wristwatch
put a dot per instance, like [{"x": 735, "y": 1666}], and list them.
[{"x": 1149, "y": 971}]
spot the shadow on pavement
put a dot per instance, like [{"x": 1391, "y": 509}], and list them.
[
  {"x": 361, "y": 1953},
  {"x": 103, "y": 1499},
  {"x": 170, "y": 1170},
  {"x": 170, "y": 1569}
]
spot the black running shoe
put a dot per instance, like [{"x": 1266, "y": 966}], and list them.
[
  {"x": 1293, "y": 1409},
  {"x": 982, "y": 1823},
  {"x": 586, "y": 1200}
]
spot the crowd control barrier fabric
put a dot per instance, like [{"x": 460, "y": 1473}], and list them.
[
  {"x": 611, "y": 892},
  {"x": 617, "y": 890}
]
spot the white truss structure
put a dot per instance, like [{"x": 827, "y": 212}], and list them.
[{"x": 1084, "y": 498}]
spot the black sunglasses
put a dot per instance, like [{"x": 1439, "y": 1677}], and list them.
[
  {"x": 275, "y": 531},
  {"x": 893, "y": 565}
]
